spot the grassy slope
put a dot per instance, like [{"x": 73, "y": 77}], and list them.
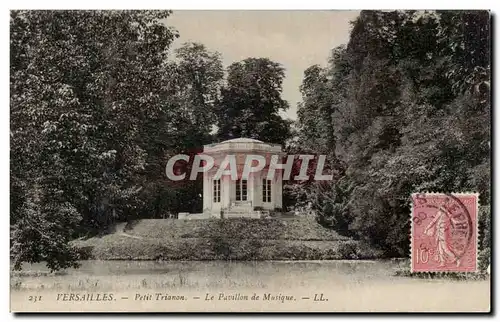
[
  {"x": 299, "y": 228},
  {"x": 236, "y": 239}
]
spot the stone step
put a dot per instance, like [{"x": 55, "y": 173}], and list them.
[
  {"x": 251, "y": 214},
  {"x": 241, "y": 204}
]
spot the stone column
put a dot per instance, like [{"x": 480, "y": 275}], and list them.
[
  {"x": 257, "y": 189},
  {"x": 224, "y": 198},
  {"x": 278, "y": 190},
  {"x": 207, "y": 193}
]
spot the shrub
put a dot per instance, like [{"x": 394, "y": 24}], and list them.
[{"x": 348, "y": 251}]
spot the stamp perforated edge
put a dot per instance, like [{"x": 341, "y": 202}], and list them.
[{"x": 475, "y": 194}]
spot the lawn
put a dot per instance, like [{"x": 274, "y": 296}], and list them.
[{"x": 232, "y": 239}]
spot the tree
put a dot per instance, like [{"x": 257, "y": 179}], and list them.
[
  {"x": 193, "y": 81},
  {"x": 251, "y": 102},
  {"x": 200, "y": 80},
  {"x": 85, "y": 85},
  {"x": 414, "y": 89},
  {"x": 315, "y": 113}
]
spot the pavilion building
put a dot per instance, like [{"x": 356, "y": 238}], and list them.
[{"x": 243, "y": 197}]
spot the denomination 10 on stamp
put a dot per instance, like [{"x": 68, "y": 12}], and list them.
[{"x": 444, "y": 232}]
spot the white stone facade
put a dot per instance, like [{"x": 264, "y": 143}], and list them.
[{"x": 241, "y": 198}]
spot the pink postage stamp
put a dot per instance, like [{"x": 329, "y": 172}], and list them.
[{"x": 444, "y": 232}]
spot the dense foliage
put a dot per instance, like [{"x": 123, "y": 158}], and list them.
[
  {"x": 404, "y": 107},
  {"x": 251, "y": 102},
  {"x": 99, "y": 103},
  {"x": 84, "y": 86}
]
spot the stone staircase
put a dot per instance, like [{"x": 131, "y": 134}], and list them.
[
  {"x": 241, "y": 206},
  {"x": 240, "y": 209}
]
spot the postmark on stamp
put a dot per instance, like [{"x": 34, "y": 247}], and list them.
[{"x": 444, "y": 232}]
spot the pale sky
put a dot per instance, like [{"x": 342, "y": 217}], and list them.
[{"x": 295, "y": 39}]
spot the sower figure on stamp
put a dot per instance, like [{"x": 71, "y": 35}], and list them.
[{"x": 437, "y": 227}]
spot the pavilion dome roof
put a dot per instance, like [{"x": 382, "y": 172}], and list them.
[
  {"x": 242, "y": 144},
  {"x": 242, "y": 140}
]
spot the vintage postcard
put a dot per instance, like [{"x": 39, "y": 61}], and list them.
[{"x": 250, "y": 161}]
